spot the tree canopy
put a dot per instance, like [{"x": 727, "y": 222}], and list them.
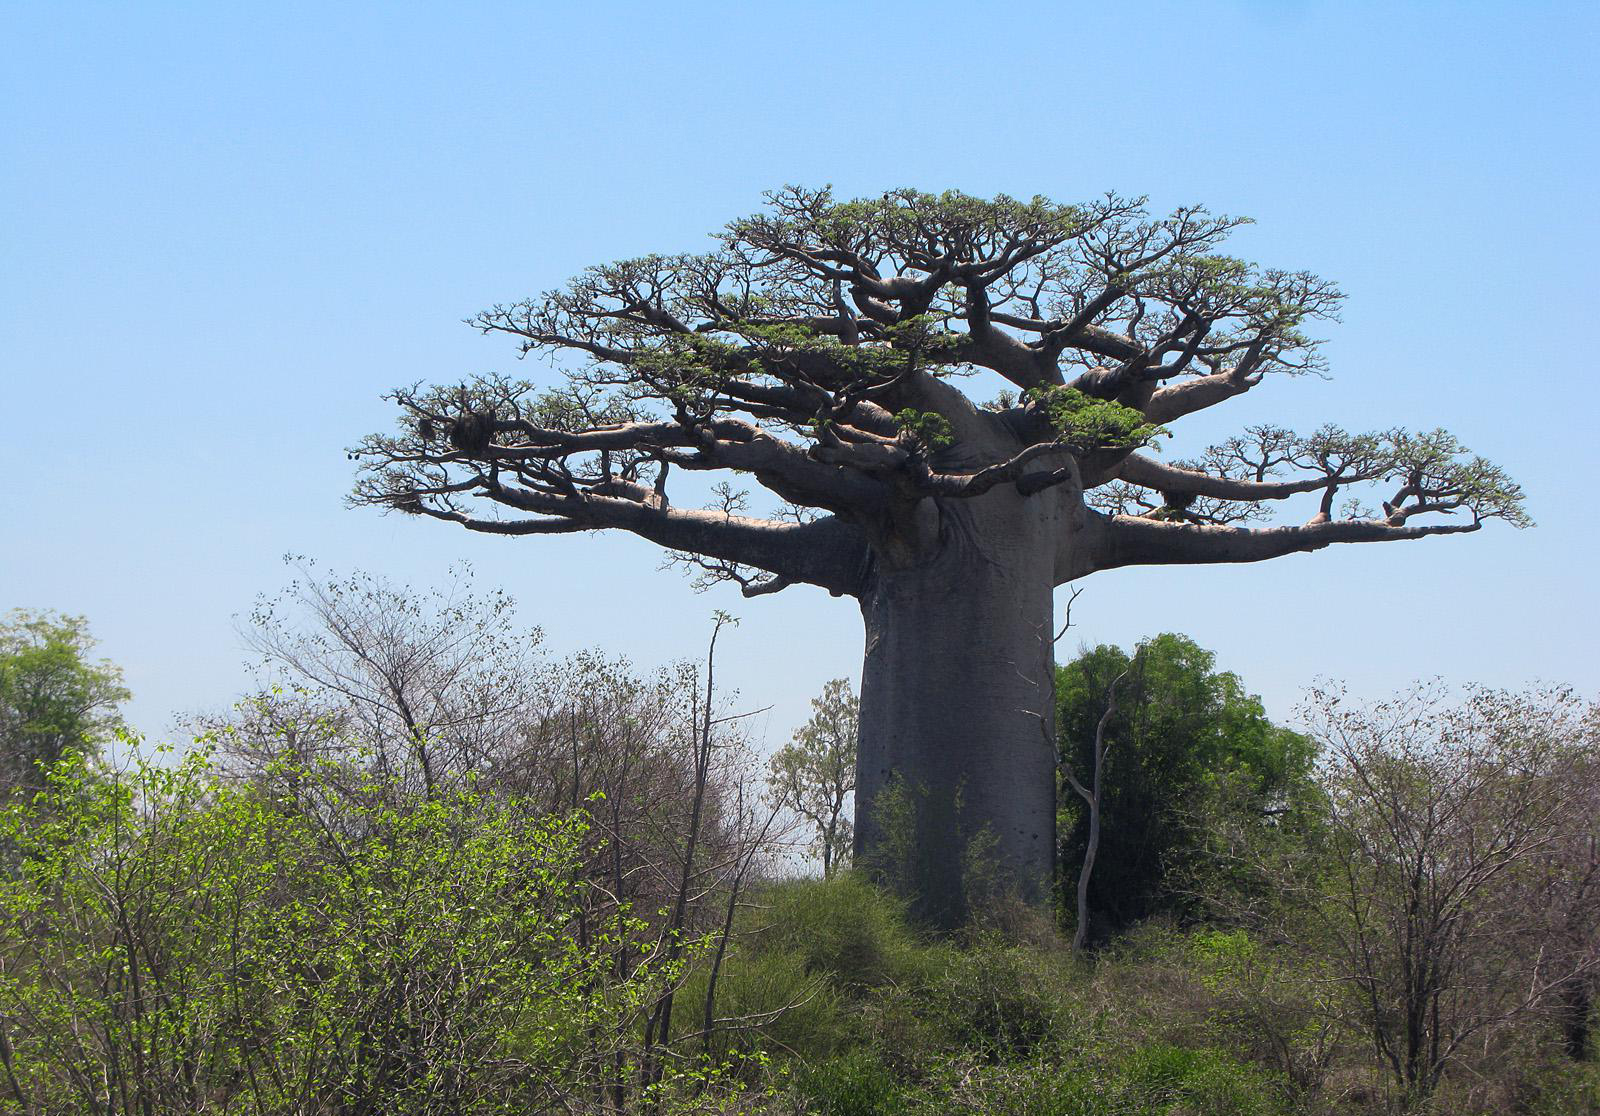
[
  {"x": 815, "y": 773},
  {"x": 52, "y": 697},
  {"x": 815, "y": 348},
  {"x": 1186, "y": 745}
]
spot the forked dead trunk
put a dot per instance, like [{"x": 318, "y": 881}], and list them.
[{"x": 956, "y": 764}]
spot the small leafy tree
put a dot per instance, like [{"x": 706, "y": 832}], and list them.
[
  {"x": 52, "y": 698},
  {"x": 1187, "y": 751},
  {"x": 815, "y": 774}
]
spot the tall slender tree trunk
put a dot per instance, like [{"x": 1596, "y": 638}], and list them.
[
  {"x": 1092, "y": 797},
  {"x": 956, "y": 753}
]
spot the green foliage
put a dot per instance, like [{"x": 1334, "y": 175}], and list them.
[
  {"x": 844, "y": 928},
  {"x": 1559, "y": 1088},
  {"x": 1157, "y": 1080},
  {"x": 855, "y": 1084},
  {"x": 1000, "y": 1001},
  {"x": 1161, "y": 1077},
  {"x": 1434, "y": 466},
  {"x": 923, "y": 1026},
  {"x": 689, "y": 369},
  {"x": 815, "y": 774},
  {"x": 205, "y": 947},
  {"x": 799, "y": 1008},
  {"x": 1191, "y": 758},
  {"x": 52, "y": 698},
  {"x": 931, "y": 432},
  {"x": 1087, "y": 423}
]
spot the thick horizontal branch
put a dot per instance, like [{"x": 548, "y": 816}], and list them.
[
  {"x": 1110, "y": 542},
  {"x": 1173, "y": 402},
  {"x": 718, "y": 444},
  {"x": 791, "y": 472},
  {"x": 500, "y": 526},
  {"x": 827, "y": 552},
  {"x": 799, "y": 404},
  {"x": 968, "y": 485}
]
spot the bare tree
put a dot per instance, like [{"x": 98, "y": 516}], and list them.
[
  {"x": 815, "y": 349},
  {"x": 815, "y": 774},
  {"x": 1091, "y": 797},
  {"x": 754, "y": 821},
  {"x": 423, "y": 686},
  {"x": 1564, "y": 884},
  {"x": 1441, "y": 817},
  {"x": 704, "y": 871}
]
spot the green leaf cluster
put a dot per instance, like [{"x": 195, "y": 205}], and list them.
[
  {"x": 1088, "y": 424},
  {"x": 928, "y": 430},
  {"x": 1192, "y": 759}
]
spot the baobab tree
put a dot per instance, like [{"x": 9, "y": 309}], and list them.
[{"x": 821, "y": 348}]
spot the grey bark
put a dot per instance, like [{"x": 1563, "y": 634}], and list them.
[
  {"x": 957, "y": 701},
  {"x": 1575, "y": 1005}
]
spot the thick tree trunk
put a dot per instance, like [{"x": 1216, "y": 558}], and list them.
[{"x": 956, "y": 766}]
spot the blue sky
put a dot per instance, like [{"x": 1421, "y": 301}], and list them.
[{"x": 228, "y": 228}]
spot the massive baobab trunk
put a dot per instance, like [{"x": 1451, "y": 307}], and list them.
[
  {"x": 956, "y": 697},
  {"x": 817, "y": 351}
]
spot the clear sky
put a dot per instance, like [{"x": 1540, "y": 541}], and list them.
[{"x": 225, "y": 229}]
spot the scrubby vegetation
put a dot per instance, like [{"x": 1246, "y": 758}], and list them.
[
  {"x": 425, "y": 871},
  {"x": 1166, "y": 1020}
]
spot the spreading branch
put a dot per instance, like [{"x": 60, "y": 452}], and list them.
[{"x": 817, "y": 349}]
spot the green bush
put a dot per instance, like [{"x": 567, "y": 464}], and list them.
[
  {"x": 845, "y": 928},
  {"x": 176, "y": 942},
  {"x": 1002, "y": 1001},
  {"x": 1158, "y": 1077},
  {"x": 1152, "y": 1080},
  {"x": 1267, "y": 1004},
  {"x": 769, "y": 1002},
  {"x": 856, "y": 1084},
  {"x": 1562, "y": 1089},
  {"x": 1045, "y": 1087}
]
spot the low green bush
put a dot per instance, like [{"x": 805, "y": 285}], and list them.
[
  {"x": 1560, "y": 1088},
  {"x": 1161, "y": 1078},
  {"x": 857, "y": 1084},
  {"x": 174, "y": 941},
  {"x": 767, "y": 1000},
  {"x": 845, "y": 928},
  {"x": 1002, "y": 1001}
]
